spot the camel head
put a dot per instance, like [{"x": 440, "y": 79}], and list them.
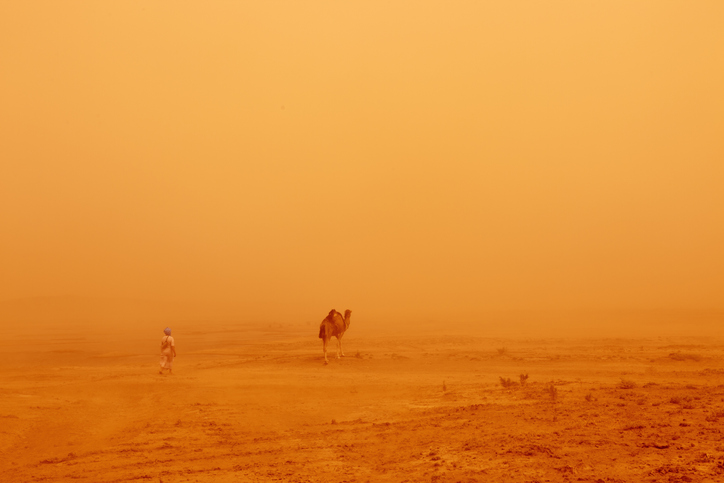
[{"x": 347, "y": 316}]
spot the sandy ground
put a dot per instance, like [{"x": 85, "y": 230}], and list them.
[{"x": 251, "y": 403}]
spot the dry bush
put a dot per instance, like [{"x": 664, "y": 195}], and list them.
[
  {"x": 502, "y": 351},
  {"x": 589, "y": 397},
  {"x": 675, "y": 400},
  {"x": 523, "y": 379},
  {"x": 551, "y": 390},
  {"x": 682, "y": 356},
  {"x": 714, "y": 417},
  {"x": 626, "y": 384},
  {"x": 506, "y": 382},
  {"x": 358, "y": 355}
]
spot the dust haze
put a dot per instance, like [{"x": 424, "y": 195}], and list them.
[
  {"x": 493, "y": 188},
  {"x": 409, "y": 162}
]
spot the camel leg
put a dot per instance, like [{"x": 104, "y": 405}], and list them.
[
  {"x": 324, "y": 348},
  {"x": 340, "y": 346}
]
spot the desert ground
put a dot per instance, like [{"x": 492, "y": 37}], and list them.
[{"x": 254, "y": 402}]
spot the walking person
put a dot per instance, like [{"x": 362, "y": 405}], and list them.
[{"x": 168, "y": 351}]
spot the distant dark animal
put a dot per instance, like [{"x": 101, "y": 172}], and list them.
[{"x": 334, "y": 325}]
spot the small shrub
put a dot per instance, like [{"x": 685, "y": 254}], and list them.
[
  {"x": 523, "y": 379},
  {"x": 551, "y": 390},
  {"x": 506, "y": 382},
  {"x": 626, "y": 384},
  {"x": 675, "y": 400},
  {"x": 589, "y": 397},
  {"x": 358, "y": 355},
  {"x": 502, "y": 351},
  {"x": 714, "y": 417}
]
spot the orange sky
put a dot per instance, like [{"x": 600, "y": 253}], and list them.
[{"x": 419, "y": 158}]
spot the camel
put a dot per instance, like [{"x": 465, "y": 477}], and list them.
[{"x": 334, "y": 325}]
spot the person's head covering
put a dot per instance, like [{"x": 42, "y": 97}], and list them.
[{"x": 167, "y": 331}]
